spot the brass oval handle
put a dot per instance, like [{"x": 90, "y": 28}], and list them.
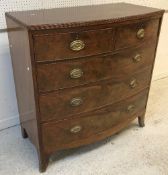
[
  {"x": 77, "y": 45},
  {"x": 137, "y": 58},
  {"x": 141, "y": 34},
  {"x": 130, "y": 108},
  {"x": 76, "y": 101},
  {"x": 76, "y": 73},
  {"x": 76, "y": 129},
  {"x": 133, "y": 83}
]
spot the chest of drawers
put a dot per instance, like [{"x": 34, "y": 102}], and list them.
[{"x": 81, "y": 73}]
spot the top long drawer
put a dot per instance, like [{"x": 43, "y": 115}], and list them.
[{"x": 58, "y": 46}]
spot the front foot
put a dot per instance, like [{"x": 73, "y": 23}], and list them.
[
  {"x": 43, "y": 163},
  {"x": 141, "y": 121}
]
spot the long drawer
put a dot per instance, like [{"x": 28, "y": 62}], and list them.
[
  {"x": 75, "y": 132},
  {"x": 72, "y": 73},
  {"x": 65, "y": 103}
]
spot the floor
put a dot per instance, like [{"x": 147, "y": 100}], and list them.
[{"x": 134, "y": 151}]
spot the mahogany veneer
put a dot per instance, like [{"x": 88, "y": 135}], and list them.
[{"x": 81, "y": 73}]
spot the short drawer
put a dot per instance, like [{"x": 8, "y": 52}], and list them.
[
  {"x": 83, "y": 71},
  {"x": 136, "y": 33},
  {"x": 66, "y": 103},
  {"x": 77, "y": 131},
  {"x": 58, "y": 46}
]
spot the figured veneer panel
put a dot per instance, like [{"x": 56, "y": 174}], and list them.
[
  {"x": 58, "y": 135},
  {"x": 57, "y": 46},
  {"x": 57, "y": 75},
  {"x": 57, "y": 105},
  {"x": 127, "y": 34}
]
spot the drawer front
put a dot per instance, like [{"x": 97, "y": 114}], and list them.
[
  {"x": 133, "y": 34},
  {"x": 60, "y": 46},
  {"x": 82, "y": 71},
  {"x": 65, "y": 103},
  {"x": 74, "y": 132}
]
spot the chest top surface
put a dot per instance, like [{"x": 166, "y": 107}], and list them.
[{"x": 95, "y": 14}]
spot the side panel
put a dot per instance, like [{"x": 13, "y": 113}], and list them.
[{"x": 22, "y": 69}]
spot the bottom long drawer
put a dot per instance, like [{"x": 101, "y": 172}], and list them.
[{"x": 83, "y": 130}]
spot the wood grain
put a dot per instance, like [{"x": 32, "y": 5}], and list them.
[
  {"x": 58, "y": 135},
  {"x": 57, "y": 105},
  {"x": 57, "y": 46},
  {"x": 69, "y": 17},
  {"x": 55, "y": 76},
  {"x": 126, "y": 35},
  {"x": 22, "y": 69}
]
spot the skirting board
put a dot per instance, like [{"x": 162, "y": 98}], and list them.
[
  {"x": 160, "y": 76},
  {"x": 9, "y": 122}
]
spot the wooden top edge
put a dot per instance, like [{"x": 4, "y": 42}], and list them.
[{"x": 77, "y": 16}]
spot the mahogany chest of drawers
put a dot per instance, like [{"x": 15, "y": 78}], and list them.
[{"x": 81, "y": 73}]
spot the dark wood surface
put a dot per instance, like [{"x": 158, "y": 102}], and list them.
[
  {"x": 96, "y": 42},
  {"x": 42, "y": 60},
  {"x": 22, "y": 70},
  {"x": 76, "y": 16},
  {"x": 126, "y": 35},
  {"x": 58, "y": 135},
  {"x": 57, "y": 105},
  {"x": 95, "y": 68}
]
